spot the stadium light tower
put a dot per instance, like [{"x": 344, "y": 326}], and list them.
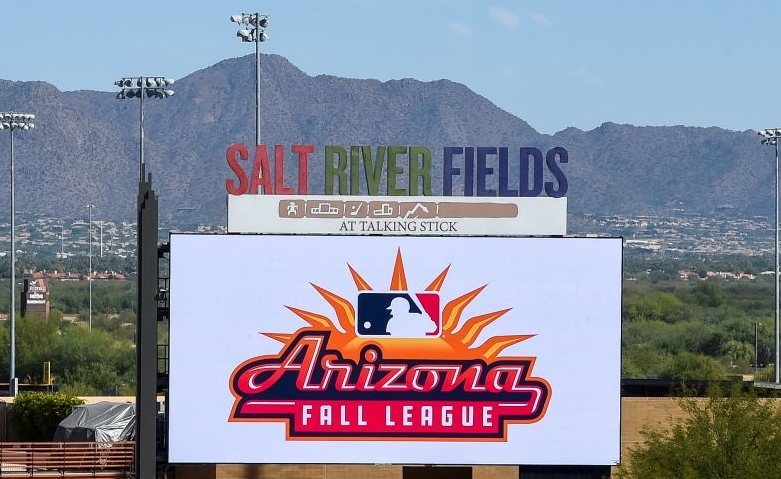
[
  {"x": 254, "y": 31},
  {"x": 771, "y": 136},
  {"x": 146, "y": 260},
  {"x": 138, "y": 87},
  {"x": 14, "y": 121}
]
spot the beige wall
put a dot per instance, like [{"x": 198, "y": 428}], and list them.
[{"x": 637, "y": 412}]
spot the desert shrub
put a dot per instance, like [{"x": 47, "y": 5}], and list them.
[{"x": 35, "y": 415}]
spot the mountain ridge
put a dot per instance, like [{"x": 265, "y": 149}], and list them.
[{"x": 85, "y": 148}]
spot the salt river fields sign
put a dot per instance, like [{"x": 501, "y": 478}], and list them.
[{"x": 398, "y": 170}]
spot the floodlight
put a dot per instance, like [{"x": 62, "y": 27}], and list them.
[
  {"x": 237, "y": 18},
  {"x": 263, "y": 22},
  {"x": 263, "y": 37},
  {"x": 246, "y": 35},
  {"x": 770, "y": 132}
]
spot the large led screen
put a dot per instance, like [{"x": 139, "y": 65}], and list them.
[{"x": 394, "y": 350}]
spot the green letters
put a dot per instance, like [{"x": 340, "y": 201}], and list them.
[
  {"x": 338, "y": 170},
  {"x": 385, "y": 158}
]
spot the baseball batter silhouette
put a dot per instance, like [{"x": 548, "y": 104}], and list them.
[{"x": 405, "y": 323}]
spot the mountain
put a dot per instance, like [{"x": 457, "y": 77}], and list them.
[{"x": 85, "y": 145}]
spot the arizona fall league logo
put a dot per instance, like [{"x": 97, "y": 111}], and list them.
[{"x": 393, "y": 363}]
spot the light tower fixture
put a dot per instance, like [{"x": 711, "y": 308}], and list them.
[
  {"x": 145, "y": 460},
  {"x": 771, "y": 136},
  {"x": 14, "y": 121},
  {"x": 254, "y": 31},
  {"x": 139, "y": 87}
]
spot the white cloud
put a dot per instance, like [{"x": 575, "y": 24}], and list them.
[
  {"x": 539, "y": 19},
  {"x": 460, "y": 28},
  {"x": 504, "y": 17}
]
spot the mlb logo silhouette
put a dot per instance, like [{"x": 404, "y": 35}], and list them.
[{"x": 398, "y": 314}]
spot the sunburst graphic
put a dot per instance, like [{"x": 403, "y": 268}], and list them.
[{"x": 454, "y": 342}]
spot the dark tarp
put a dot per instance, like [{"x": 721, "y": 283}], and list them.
[{"x": 100, "y": 422}]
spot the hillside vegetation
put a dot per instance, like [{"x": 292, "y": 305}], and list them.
[
  {"x": 701, "y": 327},
  {"x": 697, "y": 328}
]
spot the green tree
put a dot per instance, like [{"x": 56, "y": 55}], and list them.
[
  {"x": 693, "y": 366},
  {"x": 93, "y": 358},
  {"x": 653, "y": 306},
  {"x": 708, "y": 294},
  {"x": 725, "y": 436},
  {"x": 643, "y": 361},
  {"x": 739, "y": 355},
  {"x": 35, "y": 415}
]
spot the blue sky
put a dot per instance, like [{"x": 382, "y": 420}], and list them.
[{"x": 554, "y": 63}]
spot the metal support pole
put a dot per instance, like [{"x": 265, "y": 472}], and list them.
[
  {"x": 756, "y": 348},
  {"x": 141, "y": 131},
  {"x": 771, "y": 136},
  {"x": 13, "y": 383},
  {"x": 12, "y": 121},
  {"x": 257, "y": 85},
  {"x": 776, "y": 362},
  {"x": 89, "y": 277}
]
